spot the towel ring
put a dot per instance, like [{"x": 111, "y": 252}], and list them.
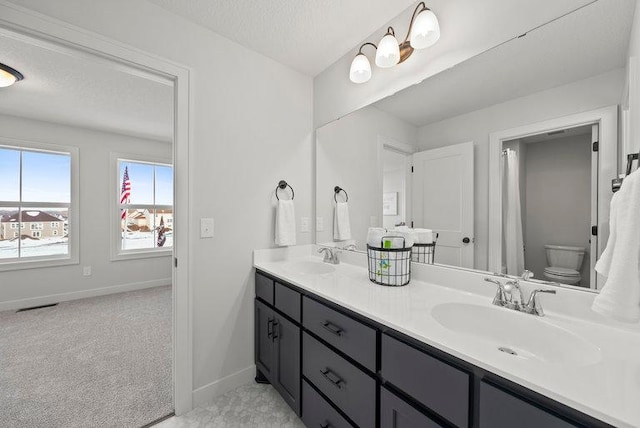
[
  {"x": 283, "y": 185},
  {"x": 337, "y": 190}
]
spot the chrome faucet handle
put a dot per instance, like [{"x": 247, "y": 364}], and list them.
[
  {"x": 328, "y": 254},
  {"x": 527, "y": 275},
  {"x": 510, "y": 286},
  {"x": 350, "y": 247},
  {"x": 500, "y": 298},
  {"x": 533, "y": 305}
]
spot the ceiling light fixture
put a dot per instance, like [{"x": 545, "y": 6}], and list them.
[
  {"x": 424, "y": 31},
  {"x": 9, "y": 76}
]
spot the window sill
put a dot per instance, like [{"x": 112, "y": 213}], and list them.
[
  {"x": 38, "y": 263},
  {"x": 134, "y": 255}
]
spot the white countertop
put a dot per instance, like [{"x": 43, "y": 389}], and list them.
[{"x": 608, "y": 390}]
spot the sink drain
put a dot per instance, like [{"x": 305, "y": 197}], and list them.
[{"x": 507, "y": 350}]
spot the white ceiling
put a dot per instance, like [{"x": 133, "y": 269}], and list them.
[
  {"x": 82, "y": 90},
  {"x": 307, "y": 35},
  {"x": 590, "y": 41}
]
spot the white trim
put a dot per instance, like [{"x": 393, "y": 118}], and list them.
[
  {"x": 607, "y": 118},
  {"x": 73, "y": 257},
  {"x": 208, "y": 392},
  {"x": 11, "y": 305},
  {"x": 36, "y": 25},
  {"x": 117, "y": 254}
]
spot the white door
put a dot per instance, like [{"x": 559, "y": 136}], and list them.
[
  {"x": 443, "y": 201},
  {"x": 593, "y": 250}
]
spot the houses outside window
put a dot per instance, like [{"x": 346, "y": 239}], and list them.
[
  {"x": 37, "y": 196},
  {"x": 144, "y": 212}
]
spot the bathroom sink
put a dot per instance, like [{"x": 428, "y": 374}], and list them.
[
  {"x": 517, "y": 334},
  {"x": 309, "y": 268}
]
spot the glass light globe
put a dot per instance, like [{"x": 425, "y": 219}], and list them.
[
  {"x": 360, "y": 71},
  {"x": 388, "y": 53},
  {"x": 6, "y": 79},
  {"x": 425, "y": 31}
]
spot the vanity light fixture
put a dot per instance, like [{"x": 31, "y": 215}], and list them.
[
  {"x": 9, "y": 76},
  {"x": 424, "y": 31}
]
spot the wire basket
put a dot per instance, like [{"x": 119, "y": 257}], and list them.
[
  {"x": 389, "y": 266},
  {"x": 424, "y": 253}
]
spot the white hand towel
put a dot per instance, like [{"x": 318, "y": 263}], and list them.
[
  {"x": 423, "y": 236},
  {"x": 341, "y": 224},
  {"x": 285, "y": 223},
  {"x": 374, "y": 236},
  {"x": 620, "y": 297}
]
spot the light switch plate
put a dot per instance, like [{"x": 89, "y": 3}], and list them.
[
  {"x": 86, "y": 271},
  {"x": 206, "y": 228},
  {"x": 319, "y": 224},
  {"x": 304, "y": 224}
]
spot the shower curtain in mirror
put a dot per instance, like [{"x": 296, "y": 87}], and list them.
[{"x": 513, "y": 245}]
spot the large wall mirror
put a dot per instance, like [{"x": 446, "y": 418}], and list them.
[{"x": 508, "y": 156}]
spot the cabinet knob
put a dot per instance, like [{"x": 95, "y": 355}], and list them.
[{"x": 466, "y": 240}]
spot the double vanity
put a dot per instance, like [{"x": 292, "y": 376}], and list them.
[{"x": 345, "y": 352}]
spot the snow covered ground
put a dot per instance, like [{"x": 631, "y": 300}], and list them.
[
  {"x": 34, "y": 247},
  {"x": 140, "y": 240}
]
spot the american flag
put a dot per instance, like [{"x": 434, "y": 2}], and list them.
[{"x": 125, "y": 193}]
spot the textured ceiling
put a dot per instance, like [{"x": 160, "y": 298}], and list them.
[
  {"x": 587, "y": 42},
  {"x": 307, "y": 35},
  {"x": 80, "y": 90}
]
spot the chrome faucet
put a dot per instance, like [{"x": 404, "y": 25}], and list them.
[
  {"x": 504, "y": 297},
  {"x": 330, "y": 255}
]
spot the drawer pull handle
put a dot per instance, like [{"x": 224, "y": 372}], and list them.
[
  {"x": 332, "y": 328},
  {"x": 276, "y": 330},
  {"x": 270, "y": 328},
  {"x": 333, "y": 378},
  {"x": 326, "y": 425}
]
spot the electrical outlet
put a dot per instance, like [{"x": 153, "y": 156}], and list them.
[
  {"x": 304, "y": 224},
  {"x": 319, "y": 224},
  {"x": 206, "y": 228},
  {"x": 86, "y": 271}
]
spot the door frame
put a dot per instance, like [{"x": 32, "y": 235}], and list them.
[
  {"x": 32, "y": 24},
  {"x": 607, "y": 119}
]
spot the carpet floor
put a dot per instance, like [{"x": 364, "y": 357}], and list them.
[{"x": 97, "y": 362}]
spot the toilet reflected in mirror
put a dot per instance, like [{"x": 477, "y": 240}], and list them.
[{"x": 564, "y": 264}]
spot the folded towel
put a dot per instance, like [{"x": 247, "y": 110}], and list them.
[
  {"x": 423, "y": 236},
  {"x": 285, "y": 223},
  {"x": 620, "y": 297},
  {"x": 374, "y": 236},
  {"x": 341, "y": 224}
]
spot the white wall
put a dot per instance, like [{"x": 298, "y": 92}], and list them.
[
  {"x": 580, "y": 96},
  {"x": 468, "y": 29},
  {"x": 558, "y": 194},
  {"x": 29, "y": 287},
  {"x": 632, "y": 91},
  {"x": 348, "y": 155},
  {"x": 251, "y": 125}
]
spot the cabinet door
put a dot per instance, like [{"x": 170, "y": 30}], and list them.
[
  {"x": 287, "y": 361},
  {"x": 397, "y": 413},
  {"x": 264, "y": 319}
]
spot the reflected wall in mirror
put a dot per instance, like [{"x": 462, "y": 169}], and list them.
[{"x": 443, "y": 128}]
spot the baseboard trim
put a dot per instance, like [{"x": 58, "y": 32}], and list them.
[
  {"x": 94, "y": 292},
  {"x": 208, "y": 392}
]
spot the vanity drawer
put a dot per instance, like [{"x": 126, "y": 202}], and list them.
[
  {"x": 287, "y": 301},
  {"x": 397, "y": 413},
  {"x": 264, "y": 288},
  {"x": 440, "y": 387},
  {"x": 500, "y": 409},
  {"x": 316, "y": 412},
  {"x": 348, "y": 335},
  {"x": 344, "y": 384}
]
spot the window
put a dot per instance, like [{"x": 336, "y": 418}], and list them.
[
  {"x": 36, "y": 191},
  {"x": 144, "y": 207}
]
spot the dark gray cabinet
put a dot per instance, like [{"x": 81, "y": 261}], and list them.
[
  {"x": 277, "y": 347},
  {"x": 339, "y": 369}
]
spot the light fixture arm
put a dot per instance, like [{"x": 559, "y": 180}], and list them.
[
  {"x": 365, "y": 44},
  {"x": 420, "y": 8}
]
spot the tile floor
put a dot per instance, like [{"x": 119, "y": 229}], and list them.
[{"x": 252, "y": 405}]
